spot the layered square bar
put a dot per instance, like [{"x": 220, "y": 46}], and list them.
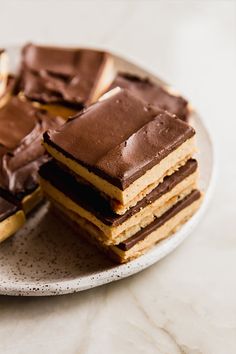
[
  {"x": 123, "y": 147},
  {"x": 122, "y": 174},
  {"x": 153, "y": 93},
  {"x": 64, "y": 78},
  {"x": 21, "y": 151}
]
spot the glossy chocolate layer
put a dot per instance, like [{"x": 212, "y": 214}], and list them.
[
  {"x": 158, "y": 222},
  {"x": 7, "y": 207},
  {"x": 152, "y": 93},
  {"x": 50, "y": 74},
  {"x": 21, "y": 151},
  {"x": 91, "y": 200},
  {"x": 120, "y": 138}
]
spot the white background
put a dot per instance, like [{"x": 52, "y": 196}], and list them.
[{"x": 187, "y": 302}]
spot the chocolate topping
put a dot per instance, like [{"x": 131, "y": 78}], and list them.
[
  {"x": 91, "y": 200},
  {"x": 158, "y": 222},
  {"x": 51, "y": 74},
  {"x": 120, "y": 138},
  {"x": 7, "y": 207},
  {"x": 21, "y": 151},
  {"x": 152, "y": 93}
]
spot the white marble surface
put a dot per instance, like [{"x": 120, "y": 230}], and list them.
[{"x": 187, "y": 302}]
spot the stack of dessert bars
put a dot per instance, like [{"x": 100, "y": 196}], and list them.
[{"x": 122, "y": 173}]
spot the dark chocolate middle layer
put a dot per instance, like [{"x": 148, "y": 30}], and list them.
[
  {"x": 21, "y": 151},
  {"x": 91, "y": 200},
  {"x": 120, "y": 138},
  {"x": 152, "y": 93},
  {"x": 158, "y": 222}
]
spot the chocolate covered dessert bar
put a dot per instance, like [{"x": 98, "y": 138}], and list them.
[
  {"x": 123, "y": 147},
  {"x": 72, "y": 77},
  {"x": 153, "y": 93},
  {"x": 21, "y": 151}
]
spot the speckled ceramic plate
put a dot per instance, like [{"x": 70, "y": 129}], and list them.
[{"x": 47, "y": 258}]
